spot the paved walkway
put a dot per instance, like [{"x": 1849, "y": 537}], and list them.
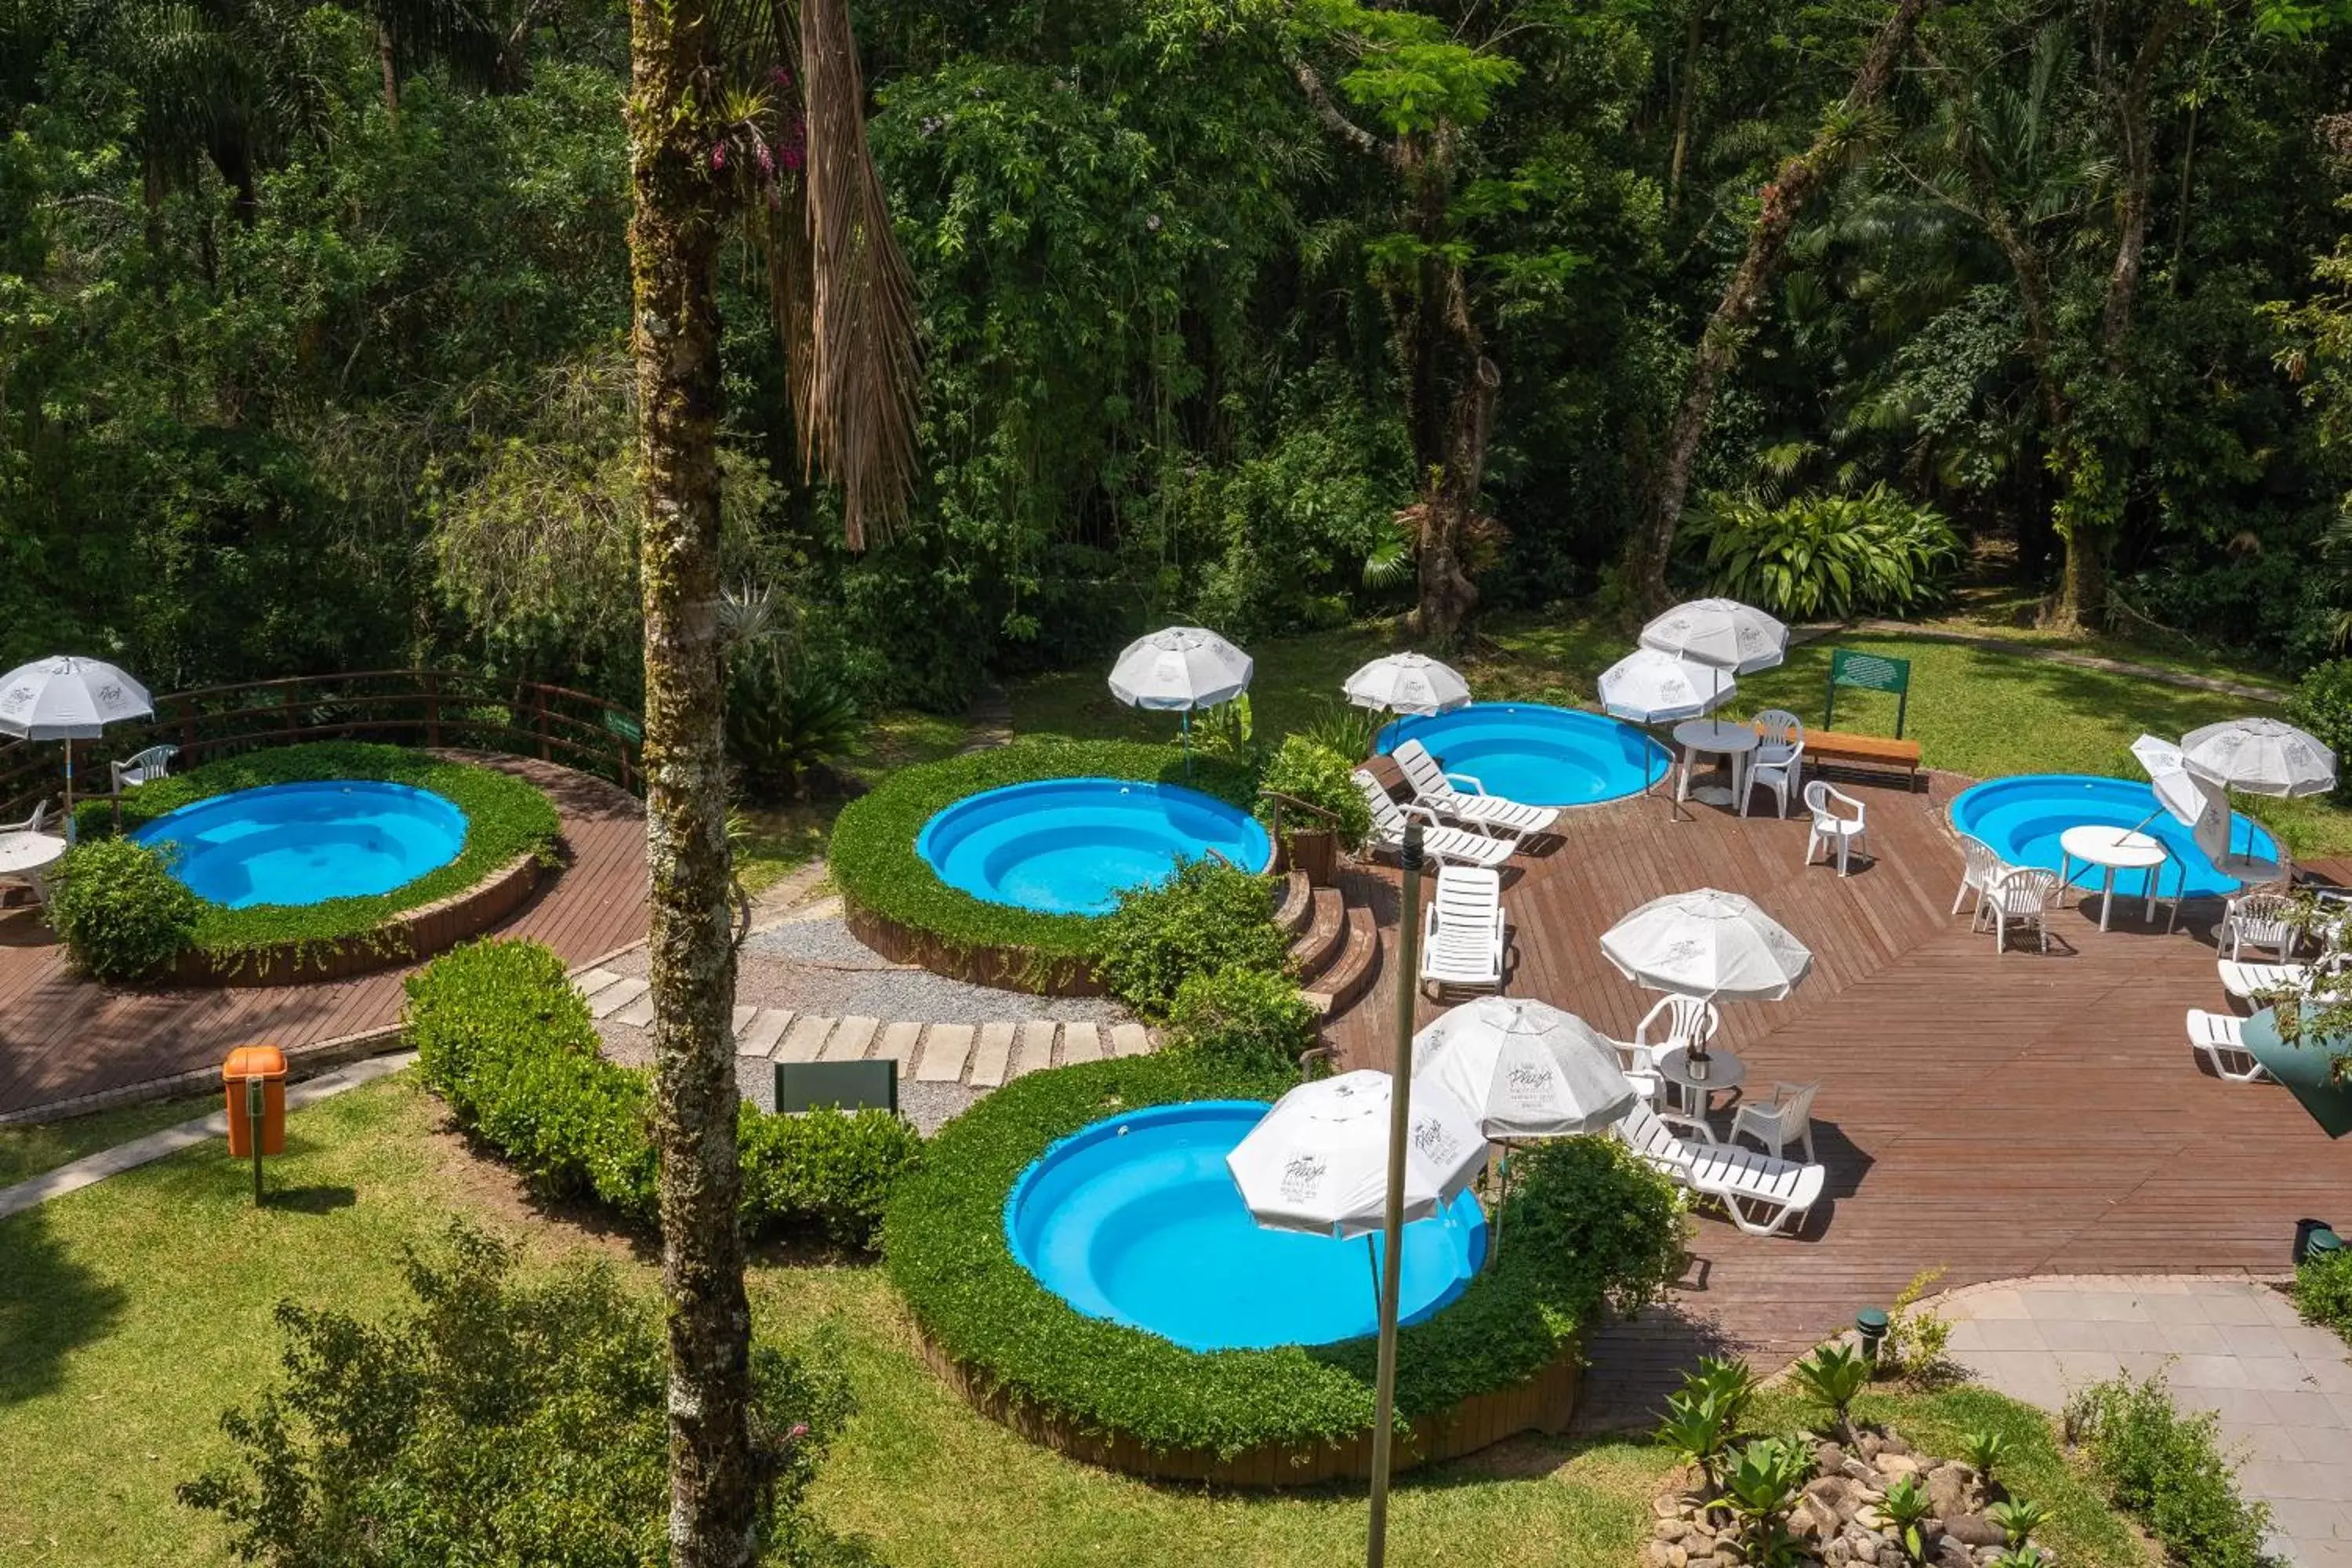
[{"x": 2283, "y": 1388}]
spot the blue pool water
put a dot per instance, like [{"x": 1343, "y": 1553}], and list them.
[
  {"x": 1135, "y": 1218},
  {"x": 1536, "y": 754},
  {"x": 2021, "y": 819},
  {"x": 1070, "y": 846},
  {"x": 306, "y": 843}
]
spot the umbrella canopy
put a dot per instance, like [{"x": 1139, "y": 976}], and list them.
[
  {"x": 1723, "y": 633},
  {"x": 1181, "y": 669},
  {"x": 1524, "y": 1069},
  {"x": 2262, "y": 756},
  {"x": 68, "y": 698},
  {"x": 1710, "y": 944},
  {"x": 1319, "y": 1161},
  {"x": 1407, "y": 683},
  {"x": 2306, "y": 1067},
  {"x": 1653, "y": 688},
  {"x": 2194, "y": 802}
]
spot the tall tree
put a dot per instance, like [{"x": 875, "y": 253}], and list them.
[
  {"x": 1778, "y": 205},
  {"x": 722, "y": 129}
]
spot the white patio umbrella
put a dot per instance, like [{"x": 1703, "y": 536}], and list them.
[
  {"x": 1648, "y": 686},
  {"x": 1179, "y": 669},
  {"x": 2261, "y": 756},
  {"x": 1407, "y": 683},
  {"x": 1319, "y": 1161},
  {"x": 2178, "y": 789},
  {"x": 1524, "y": 1069},
  {"x": 1710, "y": 944},
  {"x": 68, "y": 698},
  {"x": 1723, "y": 633}
]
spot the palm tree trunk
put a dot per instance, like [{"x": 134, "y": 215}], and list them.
[
  {"x": 1781, "y": 202},
  {"x": 674, "y": 244}
]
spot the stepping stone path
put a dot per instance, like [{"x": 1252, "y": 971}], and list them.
[{"x": 979, "y": 1056}]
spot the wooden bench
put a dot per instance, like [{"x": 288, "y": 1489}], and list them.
[{"x": 1836, "y": 748}]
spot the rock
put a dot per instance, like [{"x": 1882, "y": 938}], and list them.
[
  {"x": 1654, "y": 1555},
  {"x": 1838, "y": 1553},
  {"x": 1728, "y": 1556},
  {"x": 1829, "y": 1458},
  {"x": 1807, "y": 1523},
  {"x": 1948, "y": 1489},
  {"x": 1892, "y": 1557},
  {"x": 1892, "y": 1464},
  {"x": 1672, "y": 1529},
  {"x": 1665, "y": 1507},
  {"x": 1950, "y": 1553},
  {"x": 1973, "y": 1529},
  {"x": 1868, "y": 1445},
  {"x": 1835, "y": 1496},
  {"x": 1858, "y": 1470},
  {"x": 1888, "y": 1443},
  {"x": 1677, "y": 1558}
]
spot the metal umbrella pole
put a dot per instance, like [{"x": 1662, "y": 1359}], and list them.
[{"x": 1392, "y": 1220}]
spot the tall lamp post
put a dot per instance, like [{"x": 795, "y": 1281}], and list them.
[{"x": 1392, "y": 1220}]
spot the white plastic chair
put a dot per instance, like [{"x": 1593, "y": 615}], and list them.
[
  {"x": 1786, "y": 1118},
  {"x": 1832, "y": 828},
  {"x": 1439, "y": 842},
  {"x": 2259, "y": 919},
  {"x": 1673, "y": 1023},
  {"x": 2022, "y": 895},
  {"x": 1435, "y": 788},
  {"x": 32, "y": 823},
  {"x": 2221, "y": 1040},
  {"x": 1463, "y": 931},
  {"x": 1778, "y": 763},
  {"x": 1980, "y": 863},
  {"x": 143, "y": 767}
]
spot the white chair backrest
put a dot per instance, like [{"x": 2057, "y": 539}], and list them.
[
  {"x": 1468, "y": 892},
  {"x": 1421, "y": 769},
  {"x": 2264, "y": 918},
  {"x": 1818, "y": 799},
  {"x": 39, "y": 819},
  {"x": 1650, "y": 1138},
  {"x": 2023, "y": 889},
  {"x": 1388, "y": 816},
  {"x": 1984, "y": 862},
  {"x": 1797, "y": 1108},
  {"x": 1781, "y": 734},
  {"x": 1688, "y": 1020}
]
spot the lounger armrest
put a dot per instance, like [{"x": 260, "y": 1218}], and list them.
[
  {"x": 1679, "y": 1122},
  {"x": 1470, "y": 779}
]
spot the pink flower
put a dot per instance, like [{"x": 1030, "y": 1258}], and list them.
[
  {"x": 767, "y": 158},
  {"x": 793, "y": 159},
  {"x": 718, "y": 155}
]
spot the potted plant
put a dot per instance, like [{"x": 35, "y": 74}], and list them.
[{"x": 1312, "y": 805}]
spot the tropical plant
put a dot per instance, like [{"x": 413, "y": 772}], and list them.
[
  {"x": 1703, "y": 1417},
  {"x": 1836, "y": 1374},
  {"x": 2020, "y": 1557},
  {"x": 780, "y": 728},
  {"x": 1907, "y": 1508},
  {"x": 119, "y": 910},
  {"x": 1731, "y": 1380},
  {"x": 2017, "y": 1520},
  {"x": 1306, "y": 770},
  {"x": 1761, "y": 1481},
  {"x": 1984, "y": 1451},
  {"x": 1828, "y": 556},
  {"x": 1344, "y": 728},
  {"x": 1227, "y": 731}
]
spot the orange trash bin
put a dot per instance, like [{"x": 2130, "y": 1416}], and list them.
[{"x": 245, "y": 1064}]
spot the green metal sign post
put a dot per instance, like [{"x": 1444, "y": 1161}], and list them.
[{"x": 1868, "y": 672}]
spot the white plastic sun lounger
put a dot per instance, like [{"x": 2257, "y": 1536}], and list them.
[
  {"x": 1780, "y": 1192},
  {"x": 1438, "y": 841},
  {"x": 1435, "y": 788},
  {"x": 2247, "y": 981},
  {"x": 1463, "y": 937},
  {"x": 2221, "y": 1040}
]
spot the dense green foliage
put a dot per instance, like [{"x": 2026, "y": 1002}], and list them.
[
  {"x": 874, "y": 860},
  {"x": 2322, "y": 705},
  {"x": 1590, "y": 1229},
  {"x": 505, "y": 1037},
  {"x": 505, "y": 817},
  {"x": 495, "y": 1419},
  {"x": 1207, "y": 918},
  {"x": 119, "y": 910},
  {"x": 1307, "y": 769},
  {"x": 2167, "y": 1470},
  {"x": 1251, "y": 1017},
  {"x": 2323, "y": 1291},
  {"x": 1826, "y": 557}
]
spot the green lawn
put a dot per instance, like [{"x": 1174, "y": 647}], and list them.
[
  {"x": 132, "y": 1312},
  {"x": 29, "y": 1151},
  {"x": 783, "y": 839},
  {"x": 1975, "y": 711}
]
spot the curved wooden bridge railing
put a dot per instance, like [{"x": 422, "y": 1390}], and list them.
[{"x": 412, "y": 707}]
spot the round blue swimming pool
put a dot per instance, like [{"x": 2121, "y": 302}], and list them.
[
  {"x": 1535, "y": 755},
  {"x": 2021, "y": 819},
  {"x": 1135, "y": 1218},
  {"x": 306, "y": 843},
  {"x": 1070, "y": 846}
]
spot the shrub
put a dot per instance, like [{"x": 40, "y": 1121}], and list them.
[
  {"x": 780, "y": 728},
  {"x": 1344, "y": 728},
  {"x": 503, "y": 1036},
  {"x": 1590, "y": 1228},
  {"x": 2321, "y": 704},
  {"x": 1307, "y": 770},
  {"x": 2323, "y": 1293},
  {"x": 494, "y": 1420},
  {"x": 1206, "y": 917},
  {"x": 119, "y": 910},
  {"x": 1830, "y": 556},
  {"x": 1244, "y": 1016},
  {"x": 1917, "y": 1337},
  {"x": 2167, "y": 1470},
  {"x": 1835, "y": 1375}
]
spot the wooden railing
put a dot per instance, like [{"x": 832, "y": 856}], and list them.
[{"x": 410, "y": 707}]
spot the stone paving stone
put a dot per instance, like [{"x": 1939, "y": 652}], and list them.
[{"x": 944, "y": 1049}]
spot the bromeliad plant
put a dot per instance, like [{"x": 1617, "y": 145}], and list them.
[
  {"x": 1836, "y": 1374},
  {"x": 1761, "y": 1481},
  {"x": 1704, "y": 1418},
  {"x": 1907, "y": 1508},
  {"x": 2017, "y": 1520},
  {"x": 1984, "y": 1451}
]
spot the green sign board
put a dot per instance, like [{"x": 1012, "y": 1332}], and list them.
[{"x": 1868, "y": 672}]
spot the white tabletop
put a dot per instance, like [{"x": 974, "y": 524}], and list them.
[
  {"x": 28, "y": 851},
  {"x": 2117, "y": 847},
  {"x": 1725, "y": 735},
  {"x": 1723, "y": 1070}
]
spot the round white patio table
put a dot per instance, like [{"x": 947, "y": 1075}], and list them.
[
  {"x": 1725, "y": 1072},
  {"x": 23, "y": 854},
  {"x": 1715, "y": 737},
  {"x": 2113, "y": 849}
]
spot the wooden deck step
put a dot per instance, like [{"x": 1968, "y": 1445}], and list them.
[
  {"x": 612, "y": 998},
  {"x": 1315, "y": 947},
  {"x": 1296, "y": 905},
  {"x": 767, "y": 1027},
  {"x": 1081, "y": 1043},
  {"x": 803, "y": 1040},
  {"x": 849, "y": 1039},
  {"x": 945, "y": 1047},
  {"x": 898, "y": 1044},
  {"x": 1130, "y": 1040},
  {"x": 1358, "y": 962}
]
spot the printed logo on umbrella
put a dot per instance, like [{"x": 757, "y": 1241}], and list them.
[{"x": 1303, "y": 1177}]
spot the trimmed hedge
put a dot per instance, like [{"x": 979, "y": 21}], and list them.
[
  {"x": 505, "y": 817},
  {"x": 505, "y": 1037},
  {"x": 119, "y": 910},
  {"x": 875, "y": 863},
  {"x": 1588, "y": 1227}
]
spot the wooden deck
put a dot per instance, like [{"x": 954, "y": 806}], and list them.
[
  {"x": 1993, "y": 1117},
  {"x": 65, "y": 1039}
]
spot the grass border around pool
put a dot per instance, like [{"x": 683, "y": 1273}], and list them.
[
  {"x": 895, "y": 904},
  {"x": 512, "y": 834},
  {"x": 1590, "y": 1227}
]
